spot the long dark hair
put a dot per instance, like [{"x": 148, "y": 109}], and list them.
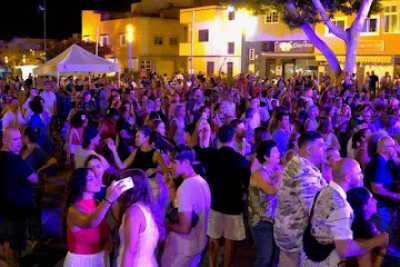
[
  {"x": 141, "y": 192},
  {"x": 358, "y": 197},
  {"x": 76, "y": 187}
]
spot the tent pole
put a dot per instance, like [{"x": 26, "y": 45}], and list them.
[
  {"x": 90, "y": 80},
  {"x": 58, "y": 80}
]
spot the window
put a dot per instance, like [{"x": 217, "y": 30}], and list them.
[
  {"x": 272, "y": 17},
  {"x": 391, "y": 19},
  {"x": 268, "y": 46},
  {"x": 371, "y": 25},
  {"x": 146, "y": 65},
  {"x": 339, "y": 22},
  {"x": 203, "y": 35},
  {"x": 231, "y": 48},
  {"x": 122, "y": 39},
  {"x": 173, "y": 41},
  {"x": 252, "y": 54},
  {"x": 158, "y": 40},
  {"x": 210, "y": 68},
  {"x": 104, "y": 40},
  {"x": 231, "y": 15},
  {"x": 230, "y": 69}
]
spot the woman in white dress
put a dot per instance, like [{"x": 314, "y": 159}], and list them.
[{"x": 141, "y": 225}]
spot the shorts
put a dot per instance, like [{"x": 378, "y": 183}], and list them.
[{"x": 225, "y": 225}]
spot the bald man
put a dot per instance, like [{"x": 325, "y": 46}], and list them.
[
  {"x": 381, "y": 181},
  {"x": 16, "y": 192},
  {"x": 331, "y": 220}
]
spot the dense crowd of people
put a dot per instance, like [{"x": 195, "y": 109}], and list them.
[{"x": 306, "y": 168}]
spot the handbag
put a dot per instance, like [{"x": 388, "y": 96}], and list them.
[{"x": 314, "y": 250}]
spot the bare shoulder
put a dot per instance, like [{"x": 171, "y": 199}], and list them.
[{"x": 134, "y": 213}]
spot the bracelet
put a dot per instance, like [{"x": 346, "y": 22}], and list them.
[{"x": 108, "y": 201}]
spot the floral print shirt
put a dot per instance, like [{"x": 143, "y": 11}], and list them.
[{"x": 300, "y": 183}]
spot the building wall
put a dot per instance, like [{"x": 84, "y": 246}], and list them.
[
  {"x": 221, "y": 31},
  {"x": 376, "y": 51},
  {"x": 164, "y": 57},
  {"x": 245, "y": 30}
]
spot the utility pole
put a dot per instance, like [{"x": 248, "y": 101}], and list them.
[
  {"x": 43, "y": 8},
  {"x": 191, "y": 44}
]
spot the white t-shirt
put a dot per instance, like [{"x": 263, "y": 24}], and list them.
[
  {"x": 193, "y": 195},
  {"x": 50, "y": 100}
]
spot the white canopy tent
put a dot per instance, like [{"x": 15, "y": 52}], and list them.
[{"x": 75, "y": 60}]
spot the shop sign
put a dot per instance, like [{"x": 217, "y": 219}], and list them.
[
  {"x": 294, "y": 47},
  {"x": 365, "y": 46}
]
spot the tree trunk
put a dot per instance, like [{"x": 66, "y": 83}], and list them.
[
  {"x": 323, "y": 48},
  {"x": 316, "y": 40},
  {"x": 351, "y": 53}
]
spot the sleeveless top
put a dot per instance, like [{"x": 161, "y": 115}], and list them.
[
  {"x": 261, "y": 205},
  {"x": 147, "y": 241},
  {"x": 89, "y": 240},
  {"x": 144, "y": 160}
]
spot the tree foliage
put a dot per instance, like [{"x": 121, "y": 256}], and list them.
[{"x": 55, "y": 48}]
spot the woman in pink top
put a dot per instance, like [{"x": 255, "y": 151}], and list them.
[{"x": 88, "y": 234}]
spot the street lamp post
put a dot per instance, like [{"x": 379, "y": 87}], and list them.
[
  {"x": 191, "y": 44},
  {"x": 129, "y": 30},
  {"x": 43, "y": 8}
]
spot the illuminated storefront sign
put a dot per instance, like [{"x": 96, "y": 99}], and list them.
[
  {"x": 294, "y": 47},
  {"x": 366, "y": 46}
]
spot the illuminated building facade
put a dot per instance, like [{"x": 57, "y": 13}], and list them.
[
  {"x": 233, "y": 41},
  {"x": 146, "y": 38},
  {"x": 277, "y": 50},
  {"x": 215, "y": 39},
  {"x": 378, "y": 47}
]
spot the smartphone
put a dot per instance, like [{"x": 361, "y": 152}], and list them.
[{"x": 127, "y": 183}]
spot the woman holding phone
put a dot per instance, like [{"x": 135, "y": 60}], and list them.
[{"x": 88, "y": 233}]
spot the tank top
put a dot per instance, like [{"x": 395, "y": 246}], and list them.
[
  {"x": 144, "y": 160},
  {"x": 89, "y": 240},
  {"x": 147, "y": 242}
]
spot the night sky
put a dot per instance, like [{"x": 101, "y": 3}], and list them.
[{"x": 22, "y": 18}]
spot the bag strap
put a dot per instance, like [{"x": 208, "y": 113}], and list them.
[{"x": 313, "y": 206}]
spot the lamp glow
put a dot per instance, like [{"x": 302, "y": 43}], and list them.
[
  {"x": 129, "y": 32},
  {"x": 230, "y": 8}
]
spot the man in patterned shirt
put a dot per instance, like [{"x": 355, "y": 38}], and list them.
[
  {"x": 301, "y": 181},
  {"x": 333, "y": 216}
]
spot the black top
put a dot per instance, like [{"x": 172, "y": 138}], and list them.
[
  {"x": 144, "y": 160},
  {"x": 15, "y": 189},
  {"x": 37, "y": 158},
  {"x": 228, "y": 175},
  {"x": 373, "y": 79},
  {"x": 380, "y": 171}
]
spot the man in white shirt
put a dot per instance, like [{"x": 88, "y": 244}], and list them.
[
  {"x": 187, "y": 238},
  {"x": 49, "y": 98},
  {"x": 332, "y": 217}
]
